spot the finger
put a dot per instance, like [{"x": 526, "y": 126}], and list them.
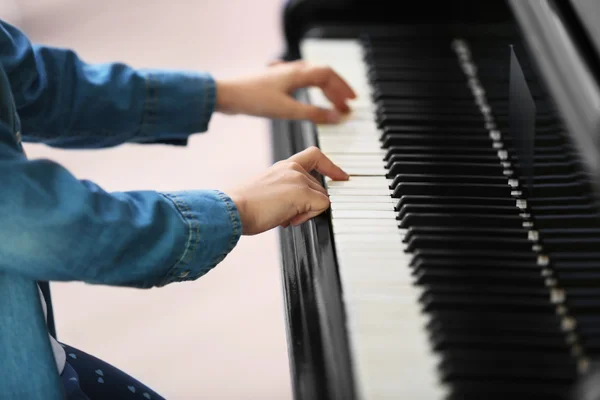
[
  {"x": 288, "y": 108},
  {"x": 313, "y": 159},
  {"x": 334, "y": 87},
  {"x": 275, "y": 62},
  {"x": 311, "y": 202},
  {"x": 302, "y": 218},
  {"x": 312, "y": 182},
  {"x": 307, "y": 202}
]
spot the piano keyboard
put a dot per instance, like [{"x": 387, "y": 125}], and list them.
[
  {"x": 450, "y": 268},
  {"x": 384, "y": 323}
]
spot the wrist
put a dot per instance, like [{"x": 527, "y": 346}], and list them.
[
  {"x": 240, "y": 204},
  {"x": 225, "y": 97}
]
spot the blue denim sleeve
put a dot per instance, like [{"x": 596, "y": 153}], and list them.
[
  {"x": 58, "y": 228},
  {"x": 65, "y": 102}
]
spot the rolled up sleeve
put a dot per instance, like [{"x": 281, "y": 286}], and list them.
[
  {"x": 176, "y": 104},
  {"x": 58, "y": 228},
  {"x": 214, "y": 229},
  {"x": 65, "y": 102}
]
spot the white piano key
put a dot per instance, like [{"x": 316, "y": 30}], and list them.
[
  {"x": 335, "y": 152},
  {"x": 332, "y": 150},
  {"x": 349, "y": 127},
  {"x": 358, "y": 157},
  {"x": 372, "y": 182},
  {"x": 348, "y": 229},
  {"x": 344, "y": 198},
  {"x": 365, "y": 222},
  {"x": 364, "y": 214},
  {"x": 358, "y": 165},
  {"x": 359, "y": 162},
  {"x": 392, "y": 358},
  {"x": 349, "y": 147},
  {"x": 358, "y": 191},
  {"x": 362, "y": 206}
]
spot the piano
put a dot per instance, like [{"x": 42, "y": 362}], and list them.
[{"x": 462, "y": 258}]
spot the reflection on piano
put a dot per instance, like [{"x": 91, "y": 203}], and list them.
[{"x": 442, "y": 270}]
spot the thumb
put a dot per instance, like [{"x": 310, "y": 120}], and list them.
[
  {"x": 302, "y": 218},
  {"x": 313, "y": 205},
  {"x": 298, "y": 110}
]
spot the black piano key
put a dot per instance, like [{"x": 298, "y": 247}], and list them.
[
  {"x": 538, "y": 323},
  {"x": 443, "y": 120},
  {"x": 457, "y": 209},
  {"x": 502, "y": 221},
  {"x": 478, "y": 288},
  {"x": 474, "y": 254},
  {"x": 567, "y": 221},
  {"x": 431, "y": 135},
  {"x": 498, "y": 341},
  {"x": 498, "y": 389},
  {"x": 558, "y": 358},
  {"x": 427, "y": 105},
  {"x": 554, "y": 168},
  {"x": 461, "y": 179},
  {"x": 384, "y": 76},
  {"x": 569, "y": 244},
  {"x": 477, "y": 158},
  {"x": 462, "y": 231},
  {"x": 443, "y": 168},
  {"x": 555, "y": 179},
  {"x": 558, "y": 190},
  {"x": 580, "y": 279},
  {"x": 512, "y": 371},
  {"x": 430, "y": 64},
  {"x": 453, "y": 200},
  {"x": 579, "y": 257},
  {"x": 416, "y": 90},
  {"x": 452, "y": 189},
  {"x": 589, "y": 208},
  {"x": 573, "y": 233},
  {"x": 504, "y": 280},
  {"x": 466, "y": 242},
  {"x": 583, "y": 305},
  {"x": 395, "y": 139},
  {"x": 489, "y": 302},
  {"x": 560, "y": 200},
  {"x": 392, "y": 150},
  {"x": 447, "y": 260}
]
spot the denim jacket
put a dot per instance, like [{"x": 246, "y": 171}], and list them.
[{"x": 54, "y": 227}]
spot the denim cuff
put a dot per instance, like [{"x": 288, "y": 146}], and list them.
[
  {"x": 214, "y": 229},
  {"x": 176, "y": 104}
]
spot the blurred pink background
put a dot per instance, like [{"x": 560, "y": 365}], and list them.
[{"x": 223, "y": 336}]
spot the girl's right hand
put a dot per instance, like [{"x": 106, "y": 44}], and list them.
[{"x": 286, "y": 193}]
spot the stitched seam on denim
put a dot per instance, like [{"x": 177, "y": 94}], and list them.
[
  {"x": 234, "y": 237},
  {"x": 209, "y": 100},
  {"x": 150, "y": 104},
  {"x": 233, "y": 219},
  {"x": 193, "y": 237}
]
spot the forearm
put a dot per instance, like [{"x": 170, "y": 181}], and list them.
[
  {"x": 66, "y": 102},
  {"x": 55, "y": 227}
]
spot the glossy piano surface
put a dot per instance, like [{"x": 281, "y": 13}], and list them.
[
  {"x": 317, "y": 341},
  {"x": 320, "y": 347}
]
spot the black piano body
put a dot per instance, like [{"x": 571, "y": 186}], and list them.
[{"x": 320, "y": 359}]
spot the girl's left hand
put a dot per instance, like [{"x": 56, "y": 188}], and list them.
[{"x": 270, "y": 94}]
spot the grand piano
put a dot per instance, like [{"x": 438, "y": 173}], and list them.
[{"x": 462, "y": 258}]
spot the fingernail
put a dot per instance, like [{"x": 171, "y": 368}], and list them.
[{"x": 333, "y": 116}]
